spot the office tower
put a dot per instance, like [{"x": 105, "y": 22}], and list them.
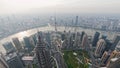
[
  {"x": 69, "y": 40},
  {"x": 34, "y": 38},
  {"x": 14, "y": 60},
  {"x": 114, "y": 54},
  {"x": 28, "y": 44},
  {"x": 17, "y": 44},
  {"x": 114, "y": 63},
  {"x": 42, "y": 54},
  {"x": 105, "y": 58},
  {"x": 82, "y": 35},
  {"x": 41, "y": 34},
  {"x": 48, "y": 39},
  {"x": 108, "y": 45},
  {"x": 76, "y": 27},
  {"x": 115, "y": 42},
  {"x": 9, "y": 47},
  {"x": 63, "y": 36},
  {"x": 100, "y": 48},
  {"x": 31, "y": 41},
  {"x": 84, "y": 43},
  {"x": 77, "y": 41},
  {"x": 95, "y": 39},
  {"x": 3, "y": 63}
]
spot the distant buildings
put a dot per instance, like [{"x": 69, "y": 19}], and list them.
[{"x": 100, "y": 48}]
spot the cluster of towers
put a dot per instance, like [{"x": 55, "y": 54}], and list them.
[{"x": 105, "y": 49}]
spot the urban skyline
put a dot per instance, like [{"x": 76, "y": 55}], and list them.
[{"x": 59, "y": 34}]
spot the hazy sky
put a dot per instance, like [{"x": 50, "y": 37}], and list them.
[{"x": 65, "y": 6}]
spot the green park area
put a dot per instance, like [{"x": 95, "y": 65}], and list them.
[{"x": 76, "y": 58}]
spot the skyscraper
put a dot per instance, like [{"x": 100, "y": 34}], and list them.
[
  {"x": 114, "y": 54},
  {"x": 28, "y": 44},
  {"x": 105, "y": 57},
  {"x": 77, "y": 40},
  {"x": 115, "y": 42},
  {"x": 63, "y": 35},
  {"x": 82, "y": 35},
  {"x": 17, "y": 43},
  {"x": 100, "y": 48},
  {"x": 9, "y": 47},
  {"x": 34, "y": 38},
  {"x": 84, "y": 41},
  {"x": 42, "y": 54},
  {"x": 95, "y": 39},
  {"x": 48, "y": 38}
]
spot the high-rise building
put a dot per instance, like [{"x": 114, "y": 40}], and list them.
[
  {"x": 95, "y": 39},
  {"x": 14, "y": 60},
  {"x": 115, "y": 42},
  {"x": 3, "y": 63},
  {"x": 77, "y": 41},
  {"x": 105, "y": 58},
  {"x": 100, "y": 48},
  {"x": 42, "y": 54},
  {"x": 63, "y": 36},
  {"x": 28, "y": 44},
  {"x": 17, "y": 43},
  {"x": 31, "y": 41},
  {"x": 48, "y": 39},
  {"x": 114, "y": 54},
  {"x": 82, "y": 35},
  {"x": 34, "y": 38},
  {"x": 9, "y": 47},
  {"x": 114, "y": 63},
  {"x": 84, "y": 43},
  {"x": 108, "y": 45}
]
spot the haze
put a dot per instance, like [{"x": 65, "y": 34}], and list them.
[{"x": 60, "y": 6}]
